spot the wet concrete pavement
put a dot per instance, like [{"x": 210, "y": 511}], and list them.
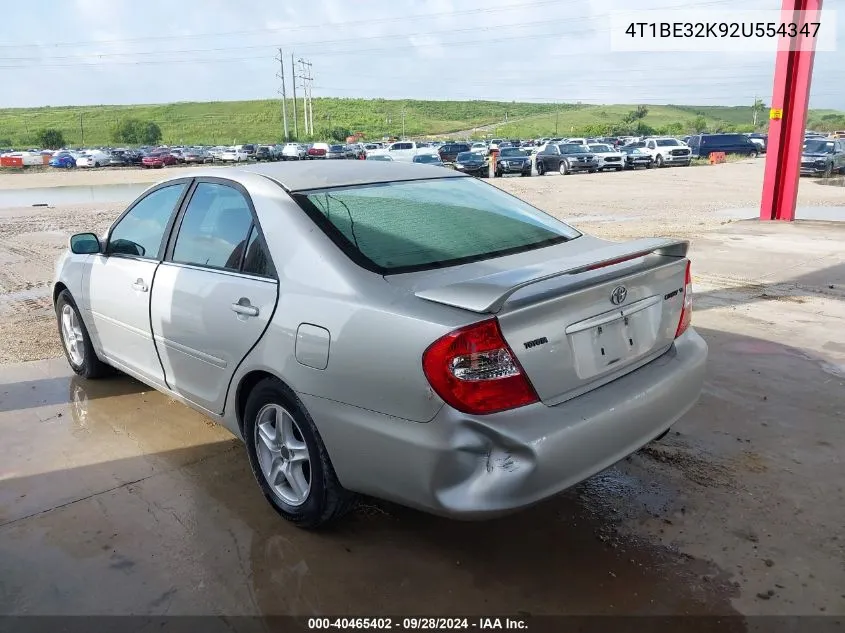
[{"x": 115, "y": 499}]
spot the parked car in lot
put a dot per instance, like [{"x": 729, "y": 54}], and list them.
[
  {"x": 356, "y": 151},
  {"x": 565, "y": 158},
  {"x": 449, "y": 152},
  {"x": 471, "y": 163},
  {"x": 336, "y": 152},
  {"x": 636, "y": 157},
  {"x": 93, "y": 158},
  {"x": 245, "y": 294},
  {"x": 234, "y": 155},
  {"x": 823, "y": 157},
  {"x": 198, "y": 156},
  {"x": 317, "y": 150},
  {"x": 294, "y": 151},
  {"x": 513, "y": 160},
  {"x": 428, "y": 159},
  {"x": 64, "y": 160},
  {"x": 382, "y": 157},
  {"x": 158, "y": 159},
  {"x": 702, "y": 145},
  {"x": 667, "y": 151},
  {"x": 264, "y": 152},
  {"x": 607, "y": 157},
  {"x": 481, "y": 148},
  {"x": 761, "y": 140}
]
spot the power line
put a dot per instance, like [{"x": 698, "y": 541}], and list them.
[{"x": 287, "y": 29}]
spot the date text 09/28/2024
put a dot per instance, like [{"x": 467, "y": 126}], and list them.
[{"x": 417, "y": 624}]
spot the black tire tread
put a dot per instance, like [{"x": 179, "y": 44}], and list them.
[
  {"x": 336, "y": 501},
  {"x": 92, "y": 367}
]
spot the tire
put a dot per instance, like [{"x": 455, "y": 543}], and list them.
[
  {"x": 325, "y": 500},
  {"x": 592, "y": 171},
  {"x": 752, "y": 155},
  {"x": 563, "y": 168},
  {"x": 81, "y": 355},
  {"x": 619, "y": 168},
  {"x": 828, "y": 171},
  {"x": 541, "y": 168},
  {"x": 649, "y": 165},
  {"x": 658, "y": 162},
  {"x": 526, "y": 174},
  {"x": 498, "y": 173}
]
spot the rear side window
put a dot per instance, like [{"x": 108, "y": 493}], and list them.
[
  {"x": 214, "y": 228},
  {"x": 419, "y": 225}
]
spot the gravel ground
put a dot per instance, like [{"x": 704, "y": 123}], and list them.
[{"x": 675, "y": 202}]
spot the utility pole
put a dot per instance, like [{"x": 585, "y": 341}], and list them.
[
  {"x": 293, "y": 74},
  {"x": 403, "y": 123},
  {"x": 305, "y": 77},
  {"x": 755, "y": 108},
  {"x": 81, "y": 132},
  {"x": 281, "y": 76}
]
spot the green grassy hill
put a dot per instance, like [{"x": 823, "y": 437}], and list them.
[{"x": 260, "y": 121}]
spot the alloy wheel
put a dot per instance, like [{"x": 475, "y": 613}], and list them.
[{"x": 282, "y": 454}]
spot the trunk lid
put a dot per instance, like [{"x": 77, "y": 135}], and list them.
[{"x": 578, "y": 321}]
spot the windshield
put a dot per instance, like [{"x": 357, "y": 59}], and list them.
[
  {"x": 601, "y": 149},
  {"x": 572, "y": 149},
  {"x": 419, "y": 225},
  {"x": 667, "y": 142},
  {"x": 511, "y": 152},
  {"x": 818, "y": 147},
  {"x": 467, "y": 157}
]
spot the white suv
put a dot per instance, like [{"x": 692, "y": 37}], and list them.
[
  {"x": 668, "y": 151},
  {"x": 293, "y": 151}
]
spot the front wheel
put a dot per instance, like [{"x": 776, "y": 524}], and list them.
[
  {"x": 649, "y": 165},
  {"x": 289, "y": 460},
  {"x": 828, "y": 171},
  {"x": 752, "y": 155},
  {"x": 658, "y": 162},
  {"x": 563, "y": 168},
  {"x": 75, "y": 339},
  {"x": 526, "y": 174},
  {"x": 620, "y": 168}
]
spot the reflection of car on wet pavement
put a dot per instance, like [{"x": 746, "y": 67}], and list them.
[{"x": 343, "y": 320}]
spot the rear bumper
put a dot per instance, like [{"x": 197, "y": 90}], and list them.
[{"x": 473, "y": 467}]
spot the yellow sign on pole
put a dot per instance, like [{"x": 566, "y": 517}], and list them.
[{"x": 775, "y": 113}]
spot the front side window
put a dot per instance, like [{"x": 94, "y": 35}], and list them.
[
  {"x": 425, "y": 224},
  {"x": 141, "y": 230},
  {"x": 214, "y": 228}
]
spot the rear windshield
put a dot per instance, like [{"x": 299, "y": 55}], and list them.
[{"x": 419, "y": 225}]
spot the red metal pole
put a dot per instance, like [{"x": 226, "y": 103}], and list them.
[{"x": 788, "y": 119}]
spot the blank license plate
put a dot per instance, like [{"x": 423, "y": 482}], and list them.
[{"x": 598, "y": 349}]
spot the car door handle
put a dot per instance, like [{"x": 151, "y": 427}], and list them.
[
  {"x": 245, "y": 307},
  {"x": 139, "y": 285}
]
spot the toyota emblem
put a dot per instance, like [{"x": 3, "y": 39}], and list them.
[{"x": 618, "y": 296}]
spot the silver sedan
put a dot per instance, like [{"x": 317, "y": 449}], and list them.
[{"x": 388, "y": 329}]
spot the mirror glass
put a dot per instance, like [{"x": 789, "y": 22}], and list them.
[{"x": 84, "y": 244}]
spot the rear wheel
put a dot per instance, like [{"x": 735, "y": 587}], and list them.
[
  {"x": 752, "y": 155},
  {"x": 289, "y": 459},
  {"x": 75, "y": 339}
]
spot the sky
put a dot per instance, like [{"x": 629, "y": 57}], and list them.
[{"x": 86, "y": 52}]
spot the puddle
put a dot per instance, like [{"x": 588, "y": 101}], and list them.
[
  {"x": 51, "y": 196},
  {"x": 823, "y": 214}
]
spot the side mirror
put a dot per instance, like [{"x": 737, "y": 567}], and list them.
[{"x": 84, "y": 244}]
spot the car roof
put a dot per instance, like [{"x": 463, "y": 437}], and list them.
[{"x": 304, "y": 175}]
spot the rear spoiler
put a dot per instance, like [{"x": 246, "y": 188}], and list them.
[{"x": 489, "y": 293}]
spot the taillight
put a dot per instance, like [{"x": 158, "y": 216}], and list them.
[
  {"x": 474, "y": 370},
  {"x": 686, "y": 307}
]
